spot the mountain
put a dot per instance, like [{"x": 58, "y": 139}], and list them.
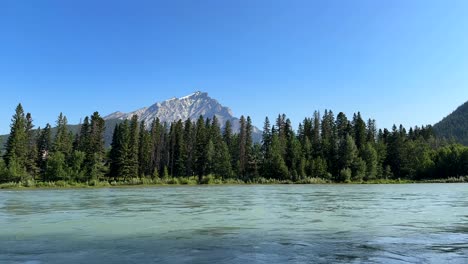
[
  {"x": 455, "y": 125},
  {"x": 184, "y": 108},
  {"x": 187, "y": 107}
]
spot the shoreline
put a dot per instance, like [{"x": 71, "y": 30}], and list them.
[{"x": 174, "y": 182}]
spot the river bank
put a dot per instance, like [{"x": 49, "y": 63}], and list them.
[{"x": 208, "y": 180}]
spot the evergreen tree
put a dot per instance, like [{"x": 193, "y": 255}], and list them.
[
  {"x": 115, "y": 152},
  {"x": 132, "y": 157},
  {"x": 144, "y": 151},
  {"x": 92, "y": 144},
  {"x": 347, "y": 154},
  {"x": 56, "y": 167},
  {"x": 16, "y": 153},
  {"x": 316, "y": 140},
  {"x": 266, "y": 149},
  {"x": 242, "y": 163},
  {"x": 188, "y": 147},
  {"x": 157, "y": 141},
  {"x": 222, "y": 162},
  {"x": 360, "y": 132},
  {"x": 279, "y": 169},
  {"x": 82, "y": 141},
  {"x": 31, "y": 148},
  {"x": 63, "y": 138},
  {"x": 370, "y": 157},
  {"x": 342, "y": 126},
  {"x": 250, "y": 161},
  {"x": 44, "y": 146},
  {"x": 200, "y": 150}
]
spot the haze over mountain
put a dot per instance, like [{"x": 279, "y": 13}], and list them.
[
  {"x": 188, "y": 107},
  {"x": 455, "y": 125}
]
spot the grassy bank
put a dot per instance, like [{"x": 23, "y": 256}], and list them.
[{"x": 208, "y": 180}]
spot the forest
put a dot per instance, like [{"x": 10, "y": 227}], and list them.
[{"x": 324, "y": 148}]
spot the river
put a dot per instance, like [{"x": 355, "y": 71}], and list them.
[{"x": 411, "y": 223}]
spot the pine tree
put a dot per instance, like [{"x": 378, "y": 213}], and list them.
[
  {"x": 63, "y": 138},
  {"x": 266, "y": 149},
  {"x": 92, "y": 144},
  {"x": 82, "y": 141},
  {"x": 210, "y": 157},
  {"x": 17, "y": 145},
  {"x": 359, "y": 129},
  {"x": 44, "y": 147},
  {"x": 369, "y": 155},
  {"x": 279, "y": 169},
  {"x": 31, "y": 148},
  {"x": 200, "y": 149},
  {"x": 371, "y": 131},
  {"x": 342, "y": 126},
  {"x": 316, "y": 140},
  {"x": 115, "y": 152},
  {"x": 242, "y": 147},
  {"x": 56, "y": 167},
  {"x": 187, "y": 152},
  {"x": 157, "y": 144},
  {"x": 144, "y": 151},
  {"x": 222, "y": 162},
  {"x": 250, "y": 162},
  {"x": 347, "y": 154},
  {"x": 132, "y": 158}
]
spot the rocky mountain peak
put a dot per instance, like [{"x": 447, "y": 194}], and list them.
[{"x": 187, "y": 107}]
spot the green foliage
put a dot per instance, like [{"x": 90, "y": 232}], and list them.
[
  {"x": 454, "y": 126},
  {"x": 56, "y": 167},
  {"x": 371, "y": 159},
  {"x": 166, "y": 173},
  {"x": 345, "y": 175},
  {"x": 359, "y": 168},
  {"x": 321, "y": 150}
]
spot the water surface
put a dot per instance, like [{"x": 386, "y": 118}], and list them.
[{"x": 423, "y": 223}]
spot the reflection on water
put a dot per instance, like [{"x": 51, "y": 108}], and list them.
[{"x": 426, "y": 223}]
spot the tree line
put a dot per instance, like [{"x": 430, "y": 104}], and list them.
[{"x": 334, "y": 149}]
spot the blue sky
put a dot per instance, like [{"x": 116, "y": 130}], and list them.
[{"x": 396, "y": 61}]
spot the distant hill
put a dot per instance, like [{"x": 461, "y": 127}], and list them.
[{"x": 455, "y": 125}]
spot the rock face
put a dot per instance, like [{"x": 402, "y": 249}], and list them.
[{"x": 184, "y": 108}]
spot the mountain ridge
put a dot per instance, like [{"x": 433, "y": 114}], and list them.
[
  {"x": 191, "y": 107},
  {"x": 455, "y": 125},
  {"x": 172, "y": 110}
]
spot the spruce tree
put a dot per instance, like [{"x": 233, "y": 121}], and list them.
[
  {"x": 44, "y": 147},
  {"x": 63, "y": 138},
  {"x": 347, "y": 154},
  {"x": 222, "y": 162},
  {"x": 144, "y": 151},
  {"x": 359, "y": 129},
  {"x": 17, "y": 146},
  {"x": 200, "y": 149},
  {"x": 132, "y": 158},
  {"x": 242, "y": 148},
  {"x": 31, "y": 148}
]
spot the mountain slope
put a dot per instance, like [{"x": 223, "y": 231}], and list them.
[
  {"x": 455, "y": 125},
  {"x": 188, "y": 107}
]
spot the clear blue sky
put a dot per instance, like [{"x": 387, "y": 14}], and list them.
[{"x": 399, "y": 61}]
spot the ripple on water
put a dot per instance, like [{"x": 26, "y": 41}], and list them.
[{"x": 236, "y": 225}]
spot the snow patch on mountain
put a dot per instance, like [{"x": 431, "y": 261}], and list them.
[{"x": 190, "y": 107}]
